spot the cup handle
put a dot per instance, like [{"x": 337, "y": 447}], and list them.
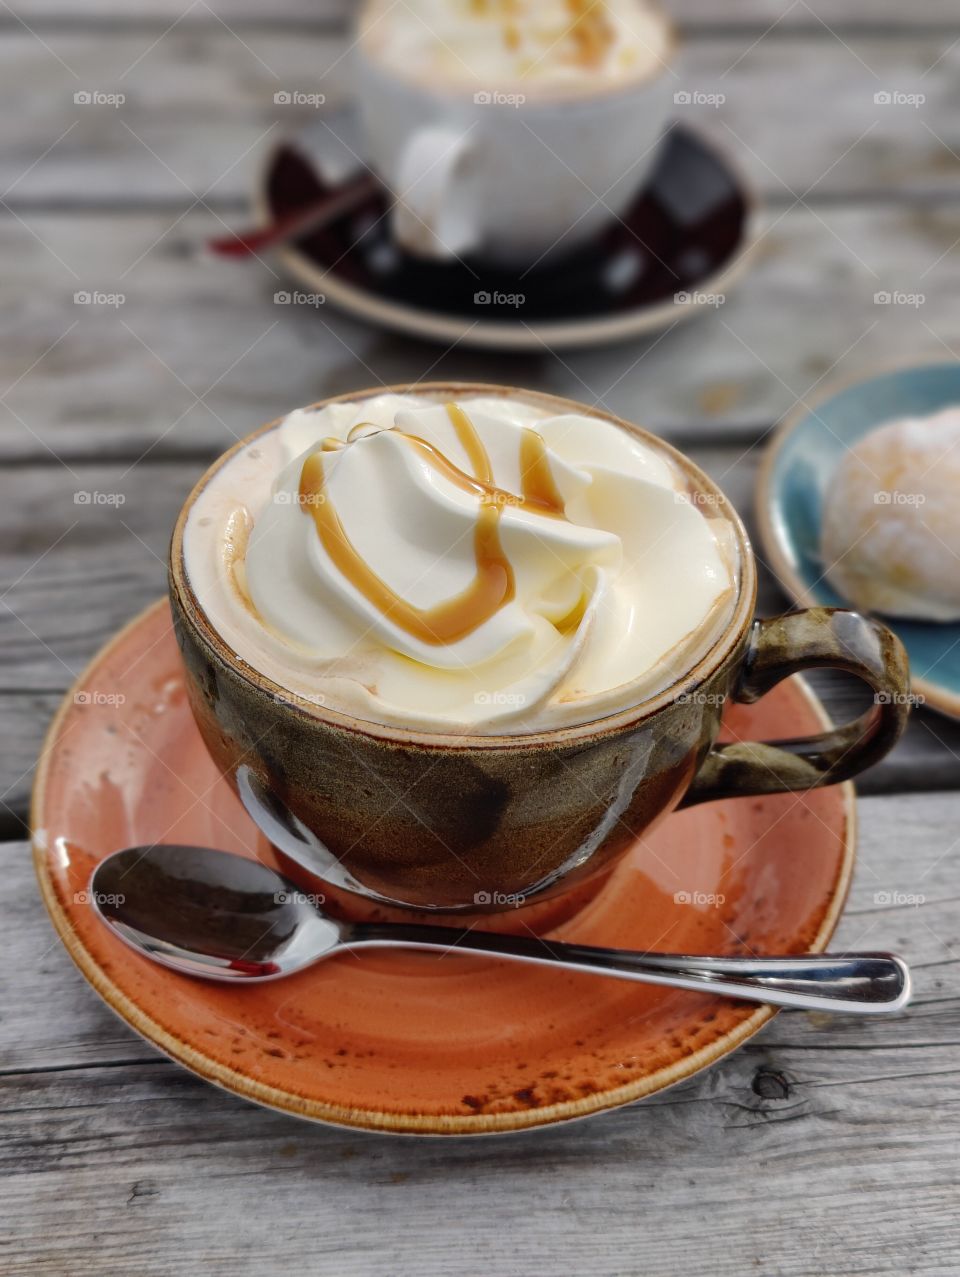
[
  {"x": 435, "y": 212},
  {"x": 813, "y": 639}
]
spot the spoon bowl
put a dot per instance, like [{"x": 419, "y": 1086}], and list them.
[{"x": 209, "y": 913}]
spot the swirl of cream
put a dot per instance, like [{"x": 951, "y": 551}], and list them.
[
  {"x": 530, "y": 42},
  {"x": 477, "y": 566}
]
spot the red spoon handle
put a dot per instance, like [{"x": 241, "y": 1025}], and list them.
[{"x": 292, "y": 225}]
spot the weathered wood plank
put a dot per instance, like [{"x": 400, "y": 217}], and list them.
[
  {"x": 108, "y": 1149},
  {"x": 79, "y": 572},
  {"x": 90, "y": 380},
  {"x": 841, "y": 15},
  {"x": 826, "y": 1146},
  {"x": 798, "y": 112}
]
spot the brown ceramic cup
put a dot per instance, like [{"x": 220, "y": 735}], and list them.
[{"x": 481, "y": 823}]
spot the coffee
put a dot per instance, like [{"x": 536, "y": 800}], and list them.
[
  {"x": 478, "y": 565},
  {"x": 425, "y": 647},
  {"x": 560, "y": 46},
  {"x": 511, "y": 131}
]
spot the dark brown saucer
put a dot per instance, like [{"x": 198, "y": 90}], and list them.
[{"x": 673, "y": 254}]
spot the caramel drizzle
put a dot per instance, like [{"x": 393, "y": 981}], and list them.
[
  {"x": 590, "y": 28},
  {"x": 537, "y": 483},
  {"x": 471, "y": 443},
  {"x": 493, "y": 585}
]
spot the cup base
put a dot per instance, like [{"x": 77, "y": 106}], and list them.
[{"x": 537, "y": 918}]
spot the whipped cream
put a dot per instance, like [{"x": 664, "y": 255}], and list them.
[
  {"x": 499, "y": 44},
  {"x": 476, "y": 567}
]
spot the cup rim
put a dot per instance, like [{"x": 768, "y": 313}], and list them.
[
  {"x": 549, "y": 97},
  {"x": 590, "y": 729}
]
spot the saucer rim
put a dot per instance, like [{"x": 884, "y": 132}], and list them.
[
  {"x": 248, "y": 1088},
  {"x": 776, "y": 547},
  {"x": 482, "y": 334}
]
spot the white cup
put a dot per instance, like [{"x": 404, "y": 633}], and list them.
[{"x": 512, "y": 177}]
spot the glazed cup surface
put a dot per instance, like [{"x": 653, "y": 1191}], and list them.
[
  {"x": 443, "y": 148},
  {"x": 485, "y": 823}
]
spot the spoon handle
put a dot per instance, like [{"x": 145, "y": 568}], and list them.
[
  {"x": 862, "y": 983},
  {"x": 316, "y": 214}
]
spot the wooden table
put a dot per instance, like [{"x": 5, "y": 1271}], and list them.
[{"x": 825, "y": 1146}]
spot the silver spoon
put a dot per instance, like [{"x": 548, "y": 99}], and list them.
[{"x": 208, "y": 913}]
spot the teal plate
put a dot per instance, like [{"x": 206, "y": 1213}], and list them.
[{"x": 790, "y": 489}]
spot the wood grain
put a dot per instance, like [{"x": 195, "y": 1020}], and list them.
[
  {"x": 199, "y": 353},
  {"x": 199, "y": 111},
  {"x": 841, "y": 15},
  {"x": 826, "y": 1145}
]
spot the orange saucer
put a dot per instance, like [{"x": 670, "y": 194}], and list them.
[{"x": 406, "y": 1041}]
